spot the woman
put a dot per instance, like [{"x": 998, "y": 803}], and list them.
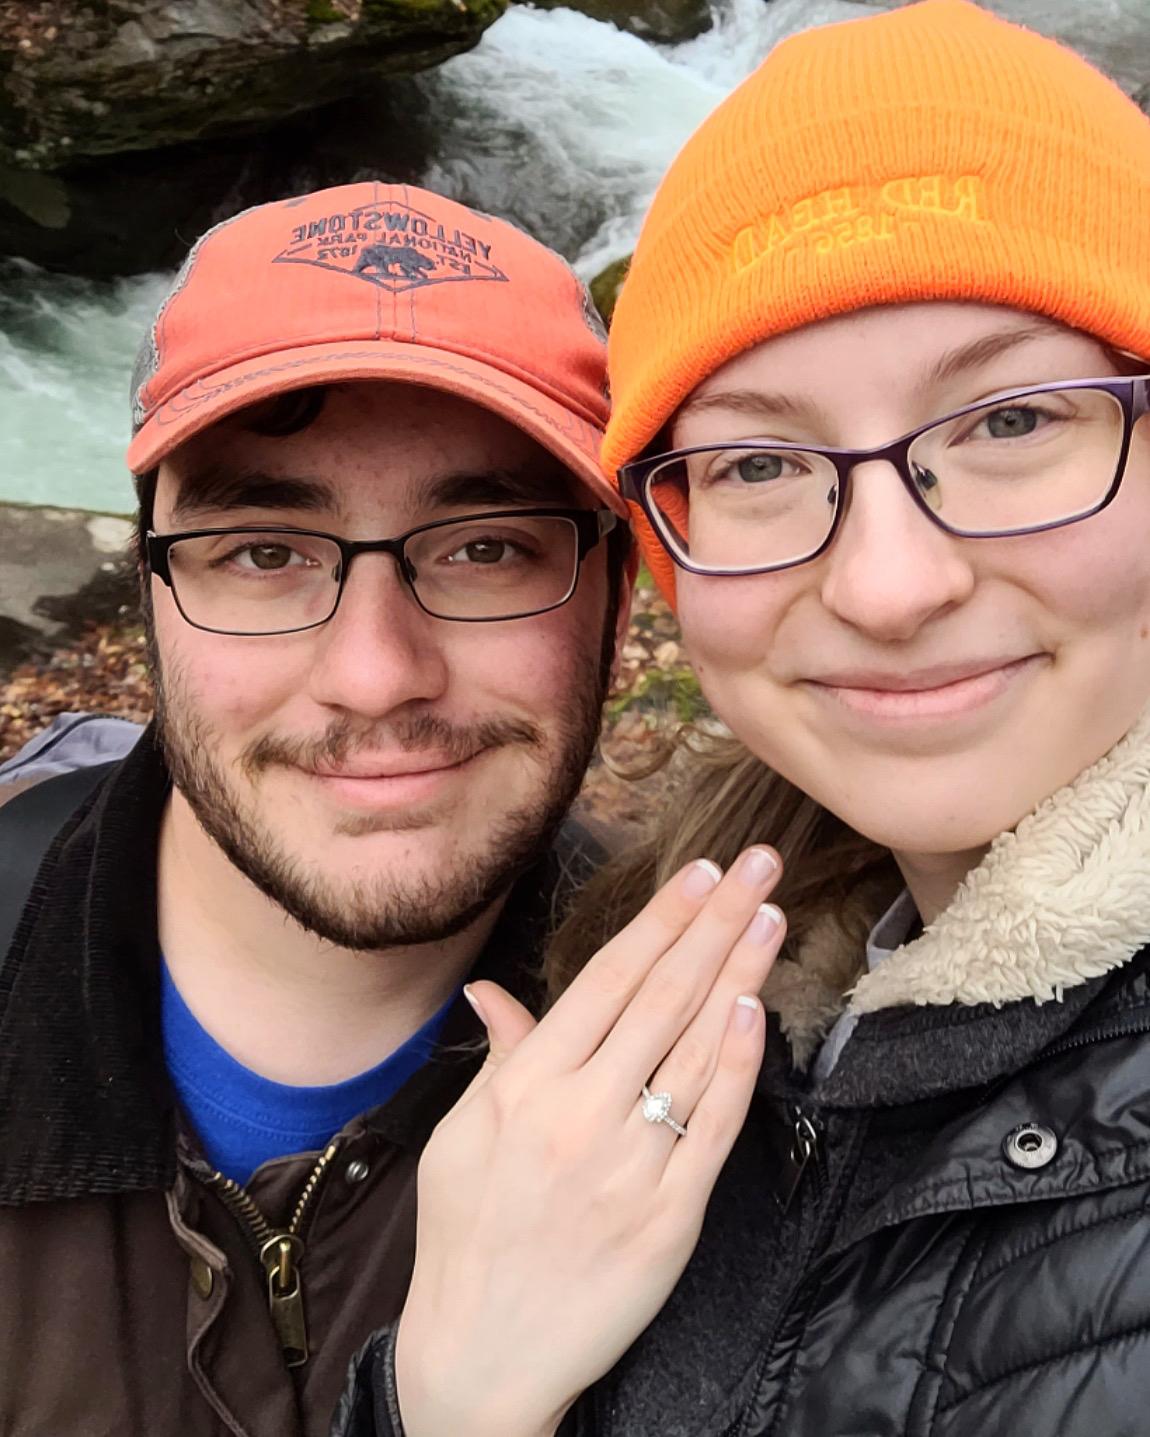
[{"x": 880, "y": 408}]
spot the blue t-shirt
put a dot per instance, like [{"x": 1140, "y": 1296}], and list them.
[{"x": 243, "y": 1119}]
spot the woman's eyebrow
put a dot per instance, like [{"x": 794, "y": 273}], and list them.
[
  {"x": 217, "y": 489},
  {"x": 982, "y": 350},
  {"x": 754, "y": 404},
  {"x": 763, "y": 404}
]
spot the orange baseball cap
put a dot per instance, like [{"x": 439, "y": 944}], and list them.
[{"x": 375, "y": 281}]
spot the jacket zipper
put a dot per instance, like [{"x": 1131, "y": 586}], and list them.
[
  {"x": 806, "y": 1132},
  {"x": 806, "y": 1144},
  {"x": 1116, "y": 1029},
  {"x": 280, "y": 1250}
]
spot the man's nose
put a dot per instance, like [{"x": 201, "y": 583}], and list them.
[
  {"x": 379, "y": 650},
  {"x": 890, "y": 569}
]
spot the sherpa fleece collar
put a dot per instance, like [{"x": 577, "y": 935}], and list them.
[{"x": 1062, "y": 899}]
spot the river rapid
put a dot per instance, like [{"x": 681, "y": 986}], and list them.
[{"x": 555, "y": 121}]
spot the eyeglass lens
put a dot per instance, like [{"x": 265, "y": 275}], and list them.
[
  {"x": 1021, "y": 464},
  {"x": 259, "y": 582}
]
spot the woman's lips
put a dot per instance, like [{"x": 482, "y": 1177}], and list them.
[{"x": 938, "y": 694}]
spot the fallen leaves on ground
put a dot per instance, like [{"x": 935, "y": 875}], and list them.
[{"x": 103, "y": 671}]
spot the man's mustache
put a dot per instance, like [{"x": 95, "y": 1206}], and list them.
[{"x": 345, "y": 739}]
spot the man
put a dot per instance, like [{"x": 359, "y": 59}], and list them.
[{"x": 383, "y": 583}]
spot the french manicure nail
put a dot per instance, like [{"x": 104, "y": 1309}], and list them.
[
  {"x": 701, "y": 878},
  {"x": 756, "y": 866},
  {"x": 474, "y": 1001},
  {"x": 746, "y": 1012},
  {"x": 765, "y": 924}
]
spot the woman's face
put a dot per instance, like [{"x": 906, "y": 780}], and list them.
[{"x": 928, "y": 689}]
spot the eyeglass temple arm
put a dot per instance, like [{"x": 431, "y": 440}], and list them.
[{"x": 606, "y": 520}]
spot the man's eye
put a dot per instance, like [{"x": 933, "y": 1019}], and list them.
[
  {"x": 480, "y": 551},
  {"x": 269, "y": 556},
  {"x": 263, "y": 558}
]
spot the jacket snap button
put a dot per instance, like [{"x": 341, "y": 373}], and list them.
[
  {"x": 1030, "y": 1146},
  {"x": 203, "y": 1278},
  {"x": 356, "y": 1171}
]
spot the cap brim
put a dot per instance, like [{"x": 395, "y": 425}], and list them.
[{"x": 569, "y": 437}]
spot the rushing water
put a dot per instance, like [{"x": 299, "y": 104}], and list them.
[{"x": 556, "y": 121}]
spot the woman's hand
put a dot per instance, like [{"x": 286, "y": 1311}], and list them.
[{"x": 554, "y": 1219}]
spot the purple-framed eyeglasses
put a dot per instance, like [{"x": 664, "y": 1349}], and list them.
[{"x": 1020, "y": 462}]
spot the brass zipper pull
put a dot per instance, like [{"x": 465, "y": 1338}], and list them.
[{"x": 280, "y": 1256}]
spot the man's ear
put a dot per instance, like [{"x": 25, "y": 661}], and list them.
[{"x": 623, "y": 613}]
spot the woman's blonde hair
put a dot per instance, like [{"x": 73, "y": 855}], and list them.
[{"x": 722, "y": 800}]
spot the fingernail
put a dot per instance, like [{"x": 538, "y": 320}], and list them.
[
  {"x": 756, "y": 866},
  {"x": 765, "y": 924},
  {"x": 701, "y": 877},
  {"x": 746, "y": 1014},
  {"x": 474, "y": 1001}
]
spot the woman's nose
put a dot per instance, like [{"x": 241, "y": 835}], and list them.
[{"x": 890, "y": 569}]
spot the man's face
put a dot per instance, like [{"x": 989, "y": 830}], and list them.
[{"x": 383, "y": 777}]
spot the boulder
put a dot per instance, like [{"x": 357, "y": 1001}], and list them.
[
  {"x": 109, "y": 76},
  {"x": 59, "y": 571},
  {"x": 141, "y": 210},
  {"x": 664, "y": 21},
  {"x": 127, "y": 126}
]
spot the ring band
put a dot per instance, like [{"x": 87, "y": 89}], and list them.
[{"x": 657, "y": 1109}]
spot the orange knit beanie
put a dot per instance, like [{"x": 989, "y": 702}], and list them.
[{"x": 932, "y": 152}]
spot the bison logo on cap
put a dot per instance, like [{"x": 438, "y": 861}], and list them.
[{"x": 393, "y": 246}]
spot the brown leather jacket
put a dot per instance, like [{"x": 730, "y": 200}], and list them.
[{"x": 133, "y": 1297}]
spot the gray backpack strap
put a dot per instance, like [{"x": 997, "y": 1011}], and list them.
[{"x": 28, "y": 824}]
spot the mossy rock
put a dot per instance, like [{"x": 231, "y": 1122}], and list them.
[{"x": 606, "y": 285}]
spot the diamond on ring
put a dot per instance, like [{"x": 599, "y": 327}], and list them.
[{"x": 657, "y": 1109}]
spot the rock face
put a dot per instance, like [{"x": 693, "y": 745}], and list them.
[
  {"x": 108, "y": 106},
  {"x": 59, "y": 569},
  {"x": 667, "y": 21}
]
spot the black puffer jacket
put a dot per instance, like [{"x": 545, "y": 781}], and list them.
[
  {"x": 974, "y": 1297},
  {"x": 957, "y": 1243}
]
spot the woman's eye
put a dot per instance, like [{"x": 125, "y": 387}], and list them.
[
  {"x": 759, "y": 467},
  {"x": 756, "y": 468},
  {"x": 1012, "y": 422}
]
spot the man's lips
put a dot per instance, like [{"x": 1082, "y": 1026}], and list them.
[
  {"x": 940, "y": 691},
  {"x": 395, "y": 783},
  {"x": 393, "y": 766}
]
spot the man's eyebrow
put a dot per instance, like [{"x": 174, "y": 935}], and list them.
[
  {"x": 534, "y": 484},
  {"x": 754, "y": 404},
  {"x": 218, "y": 488},
  {"x": 981, "y": 351}
]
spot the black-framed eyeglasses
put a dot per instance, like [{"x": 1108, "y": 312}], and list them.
[
  {"x": 476, "y": 568},
  {"x": 1021, "y": 462}
]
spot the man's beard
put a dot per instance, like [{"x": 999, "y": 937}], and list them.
[{"x": 380, "y": 912}]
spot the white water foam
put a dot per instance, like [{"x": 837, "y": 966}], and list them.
[{"x": 66, "y": 352}]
